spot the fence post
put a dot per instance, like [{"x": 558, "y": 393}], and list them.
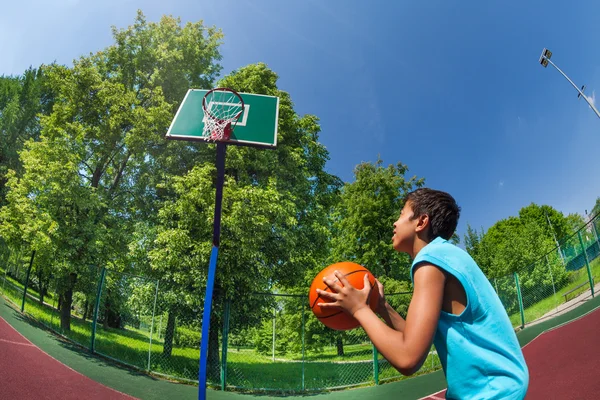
[
  {"x": 587, "y": 263},
  {"x": 303, "y": 330},
  {"x": 520, "y": 300},
  {"x": 224, "y": 345},
  {"x": 375, "y": 365},
  {"x": 273, "y": 345},
  {"x": 152, "y": 325},
  {"x": 96, "y": 307},
  {"x": 27, "y": 281}
]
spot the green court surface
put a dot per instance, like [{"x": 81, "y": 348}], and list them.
[{"x": 147, "y": 387}]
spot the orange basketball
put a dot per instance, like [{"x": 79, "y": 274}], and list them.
[{"x": 336, "y": 318}]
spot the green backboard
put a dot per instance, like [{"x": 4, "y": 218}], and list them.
[{"x": 257, "y": 126}]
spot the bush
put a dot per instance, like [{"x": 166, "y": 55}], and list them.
[{"x": 186, "y": 337}]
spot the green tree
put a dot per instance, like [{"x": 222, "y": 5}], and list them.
[
  {"x": 551, "y": 221},
  {"x": 88, "y": 174},
  {"x": 596, "y": 208},
  {"x": 362, "y": 223},
  {"x": 363, "y": 220},
  {"x": 22, "y": 99}
]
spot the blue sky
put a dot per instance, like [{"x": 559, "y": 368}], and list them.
[{"x": 453, "y": 89}]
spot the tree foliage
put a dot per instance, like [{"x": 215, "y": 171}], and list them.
[
  {"x": 363, "y": 219},
  {"x": 85, "y": 181},
  {"x": 517, "y": 242}
]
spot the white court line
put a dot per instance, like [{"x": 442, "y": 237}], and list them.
[
  {"x": 433, "y": 396},
  {"x": 77, "y": 372},
  {"x": 18, "y": 343}
]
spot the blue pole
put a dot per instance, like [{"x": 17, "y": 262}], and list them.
[{"x": 212, "y": 269}]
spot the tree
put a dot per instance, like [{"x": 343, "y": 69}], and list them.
[
  {"x": 552, "y": 222},
  {"x": 596, "y": 208},
  {"x": 363, "y": 220},
  {"x": 106, "y": 127},
  {"x": 22, "y": 98},
  {"x": 362, "y": 223}
]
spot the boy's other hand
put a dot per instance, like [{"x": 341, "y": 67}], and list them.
[{"x": 382, "y": 300}]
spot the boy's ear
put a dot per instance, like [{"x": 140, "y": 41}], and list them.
[{"x": 422, "y": 223}]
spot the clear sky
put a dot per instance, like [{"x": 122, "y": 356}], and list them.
[{"x": 453, "y": 89}]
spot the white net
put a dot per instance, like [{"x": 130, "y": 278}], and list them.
[{"x": 222, "y": 110}]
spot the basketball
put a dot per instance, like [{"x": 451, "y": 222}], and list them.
[{"x": 336, "y": 318}]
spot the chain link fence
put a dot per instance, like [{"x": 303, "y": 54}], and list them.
[
  {"x": 263, "y": 342},
  {"x": 548, "y": 286}
]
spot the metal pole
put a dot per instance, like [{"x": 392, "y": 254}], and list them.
[
  {"x": 303, "y": 350},
  {"x": 96, "y": 308},
  {"x": 587, "y": 263},
  {"x": 375, "y": 364},
  {"x": 212, "y": 269},
  {"x": 520, "y": 299},
  {"x": 575, "y": 86},
  {"x": 273, "y": 346}
]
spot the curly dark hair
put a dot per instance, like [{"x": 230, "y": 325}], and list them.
[{"x": 440, "y": 207}]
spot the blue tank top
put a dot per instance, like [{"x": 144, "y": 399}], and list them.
[{"x": 478, "y": 349}]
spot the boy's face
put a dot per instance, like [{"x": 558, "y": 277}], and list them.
[{"x": 405, "y": 230}]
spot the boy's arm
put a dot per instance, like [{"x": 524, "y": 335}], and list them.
[
  {"x": 405, "y": 349},
  {"x": 387, "y": 312},
  {"x": 391, "y": 317}
]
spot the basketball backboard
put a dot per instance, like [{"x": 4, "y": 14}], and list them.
[{"x": 257, "y": 126}]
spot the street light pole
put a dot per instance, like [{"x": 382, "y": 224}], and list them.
[{"x": 545, "y": 60}]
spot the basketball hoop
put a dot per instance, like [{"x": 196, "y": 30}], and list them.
[{"x": 222, "y": 107}]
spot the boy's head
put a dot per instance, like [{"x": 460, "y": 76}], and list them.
[{"x": 440, "y": 208}]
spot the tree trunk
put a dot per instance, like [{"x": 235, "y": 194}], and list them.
[
  {"x": 169, "y": 333},
  {"x": 85, "y": 309},
  {"x": 66, "y": 300},
  {"x": 340, "y": 346},
  {"x": 106, "y": 310},
  {"x": 41, "y": 287},
  {"x": 213, "y": 363}
]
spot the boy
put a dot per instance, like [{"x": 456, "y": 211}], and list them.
[{"x": 453, "y": 305}]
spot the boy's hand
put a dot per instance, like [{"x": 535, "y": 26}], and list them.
[
  {"x": 346, "y": 297},
  {"x": 382, "y": 301}
]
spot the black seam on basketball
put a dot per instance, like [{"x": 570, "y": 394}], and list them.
[
  {"x": 326, "y": 287},
  {"x": 332, "y": 315}
]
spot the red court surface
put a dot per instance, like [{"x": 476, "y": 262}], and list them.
[
  {"x": 26, "y": 372},
  {"x": 564, "y": 362}
]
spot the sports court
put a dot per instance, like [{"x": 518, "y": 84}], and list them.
[{"x": 561, "y": 354}]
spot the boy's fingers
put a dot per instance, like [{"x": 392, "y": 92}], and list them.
[
  {"x": 326, "y": 295},
  {"x": 342, "y": 279},
  {"x": 328, "y": 305},
  {"x": 331, "y": 284}
]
